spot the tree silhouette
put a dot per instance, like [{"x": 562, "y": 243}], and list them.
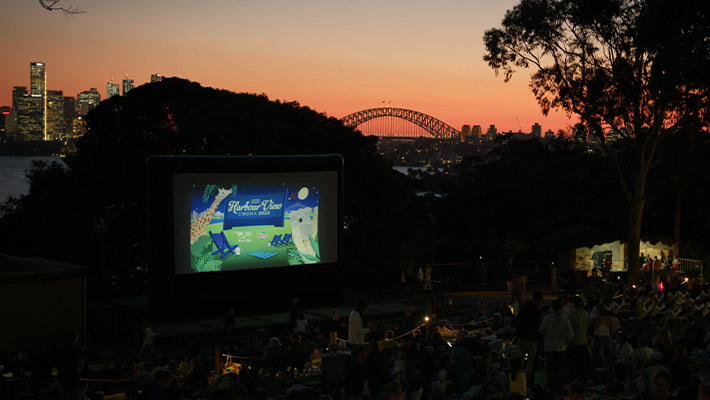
[{"x": 635, "y": 67}]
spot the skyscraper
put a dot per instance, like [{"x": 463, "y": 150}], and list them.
[
  {"x": 24, "y": 127},
  {"x": 111, "y": 89},
  {"x": 55, "y": 115},
  {"x": 69, "y": 115},
  {"x": 12, "y": 129},
  {"x": 537, "y": 130},
  {"x": 37, "y": 130},
  {"x": 155, "y": 78},
  {"x": 127, "y": 85}
]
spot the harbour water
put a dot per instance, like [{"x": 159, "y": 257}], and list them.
[{"x": 12, "y": 175}]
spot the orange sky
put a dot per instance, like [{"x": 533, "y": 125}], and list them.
[{"x": 335, "y": 56}]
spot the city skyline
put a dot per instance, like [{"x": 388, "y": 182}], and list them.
[{"x": 336, "y": 58}]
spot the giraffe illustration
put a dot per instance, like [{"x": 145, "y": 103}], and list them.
[{"x": 198, "y": 228}]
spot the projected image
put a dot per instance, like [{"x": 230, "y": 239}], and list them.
[{"x": 235, "y": 227}]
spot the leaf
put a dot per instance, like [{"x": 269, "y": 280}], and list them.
[
  {"x": 316, "y": 248},
  {"x": 308, "y": 257},
  {"x": 212, "y": 265},
  {"x": 294, "y": 257},
  {"x": 208, "y": 192}
]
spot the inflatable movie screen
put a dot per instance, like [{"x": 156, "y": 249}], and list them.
[{"x": 232, "y": 222}]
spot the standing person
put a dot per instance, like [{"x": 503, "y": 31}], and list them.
[
  {"x": 356, "y": 375},
  {"x": 527, "y": 324},
  {"x": 427, "y": 277},
  {"x": 593, "y": 288},
  {"x": 302, "y": 326},
  {"x": 70, "y": 359},
  {"x": 557, "y": 331},
  {"x": 567, "y": 306},
  {"x": 420, "y": 277},
  {"x": 356, "y": 328},
  {"x": 603, "y": 327},
  {"x": 657, "y": 265},
  {"x": 578, "y": 352},
  {"x": 148, "y": 349}
]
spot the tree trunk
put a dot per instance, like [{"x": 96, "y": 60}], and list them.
[
  {"x": 638, "y": 202},
  {"x": 633, "y": 247}
]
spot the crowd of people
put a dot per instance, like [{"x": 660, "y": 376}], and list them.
[{"x": 594, "y": 337}]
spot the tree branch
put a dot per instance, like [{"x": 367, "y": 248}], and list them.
[{"x": 51, "y": 5}]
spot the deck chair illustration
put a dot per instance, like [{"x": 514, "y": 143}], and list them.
[
  {"x": 286, "y": 239},
  {"x": 223, "y": 246},
  {"x": 276, "y": 240}
]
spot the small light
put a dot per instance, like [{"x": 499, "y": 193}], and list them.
[
  {"x": 633, "y": 286},
  {"x": 686, "y": 279},
  {"x": 426, "y": 318}
]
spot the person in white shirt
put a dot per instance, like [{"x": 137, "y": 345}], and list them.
[
  {"x": 356, "y": 328},
  {"x": 558, "y": 332},
  {"x": 148, "y": 349}
]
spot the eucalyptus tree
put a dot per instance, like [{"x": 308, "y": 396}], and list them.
[{"x": 634, "y": 67}]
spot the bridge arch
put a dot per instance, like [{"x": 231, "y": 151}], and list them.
[{"x": 434, "y": 126}]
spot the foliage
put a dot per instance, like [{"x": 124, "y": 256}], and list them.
[
  {"x": 209, "y": 189},
  {"x": 633, "y": 67},
  {"x": 294, "y": 257},
  {"x": 527, "y": 198}
]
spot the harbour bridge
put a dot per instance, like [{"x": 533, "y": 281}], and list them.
[{"x": 399, "y": 122}]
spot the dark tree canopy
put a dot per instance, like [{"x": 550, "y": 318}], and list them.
[{"x": 636, "y": 67}]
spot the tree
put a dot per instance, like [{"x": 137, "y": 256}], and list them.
[{"x": 636, "y": 67}]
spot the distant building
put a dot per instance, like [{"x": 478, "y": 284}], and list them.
[
  {"x": 70, "y": 115},
  {"x": 549, "y": 134},
  {"x": 112, "y": 89},
  {"x": 155, "y": 78},
  {"x": 491, "y": 133},
  {"x": 87, "y": 101},
  {"x": 4, "y": 117},
  {"x": 55, "y": 115},
  {"x": 537, "y": 130},
  {"x": 477, "y": 131},
  {"x": 37, "y": 107},
  {"x": 465, "y": 132},
  {"x": 78, "y": 127},
  {"x": 21, "y": 106},
  {"x": 127, "y": 85}
]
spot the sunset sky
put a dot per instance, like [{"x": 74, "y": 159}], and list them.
[{"x": 334, "y": 56}]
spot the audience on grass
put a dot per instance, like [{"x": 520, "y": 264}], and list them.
[{"x": 649, "y": 343}]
